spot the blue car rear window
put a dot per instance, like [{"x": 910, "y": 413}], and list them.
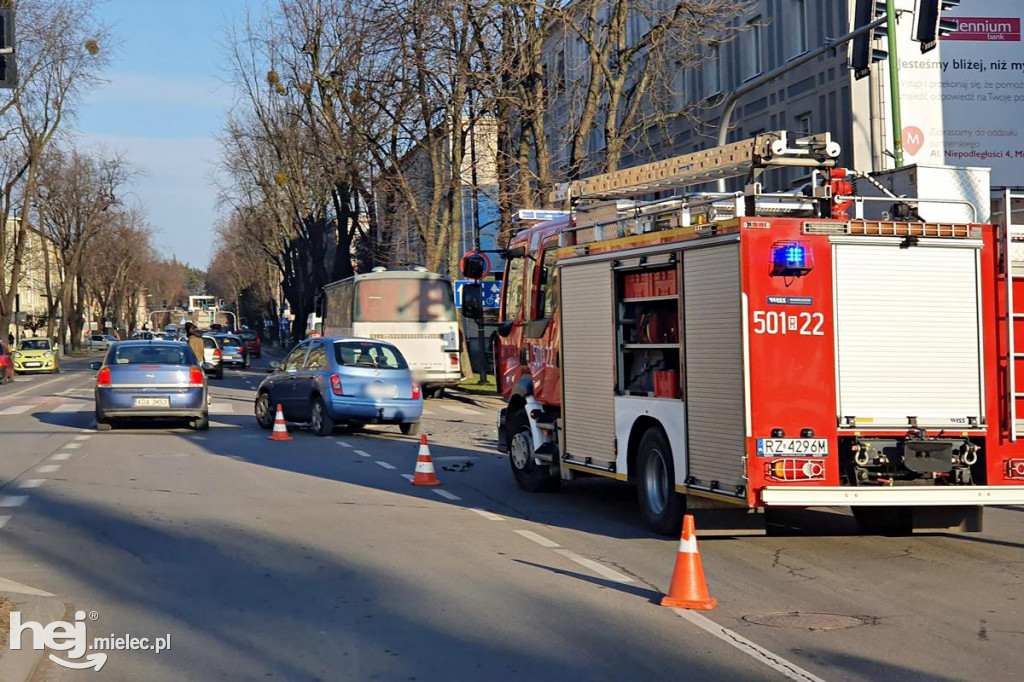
[
  {"x": 368, "y": 354},
  {"x": 152, "y": 354}
]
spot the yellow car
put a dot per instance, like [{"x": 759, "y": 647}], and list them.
[{"x": 36, "y": 355}]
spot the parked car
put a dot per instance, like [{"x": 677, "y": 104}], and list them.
[
  {"x": 149, "y": 380},
  {"x": 36, "y": 355},
  {"x": 341, "y": 380},
  {"x": 214, "y": 356},
  {"x": 253, "y": 344},
  {"x": 99, "y": 341},
  {"x": 142, "y": 335},
  {"x": 6, "y": 363},
  {"x": 232, "y": 350}
]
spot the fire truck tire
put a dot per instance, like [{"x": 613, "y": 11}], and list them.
[
  {"x": 884, "y": 520},
  {"x": 529, "y": 475},
  {"x": 660, "y": 504}
]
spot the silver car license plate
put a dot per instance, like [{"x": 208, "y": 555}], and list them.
[{"x": 152, "y": 402}]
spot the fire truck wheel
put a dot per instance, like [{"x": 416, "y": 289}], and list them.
[
  {"x": 661, "y": 505},
  {"x": 884, "y": 520},
  {"x": 529, "y": 475}
]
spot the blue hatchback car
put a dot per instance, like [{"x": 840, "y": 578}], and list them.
[{"x": 341, "y": 380}]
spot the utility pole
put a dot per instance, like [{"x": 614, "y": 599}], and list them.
[
  {"x": 482, "y": 353},
  {"x": 894, "y": 83}
]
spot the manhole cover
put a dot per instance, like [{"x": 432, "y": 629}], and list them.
[{"x": 809, "y": 621}]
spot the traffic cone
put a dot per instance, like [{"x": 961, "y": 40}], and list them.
[
  {"x": 689, "y": 590},
  {"x": 280, "y": 430},
  {"x": 424, "y": 466}
]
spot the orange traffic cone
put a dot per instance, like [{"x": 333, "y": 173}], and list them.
[
  {"x": 424, "y": 466},
  {"x": 689, "y": 590},
  {"x": 280, "y": 430}
]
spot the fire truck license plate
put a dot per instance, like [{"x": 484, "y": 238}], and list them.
[{"x": 811, "y": 447}]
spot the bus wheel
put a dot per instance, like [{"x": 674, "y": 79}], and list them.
[
  {"x": 529, "y": 475},
  {"x": 660, "y": 504}
]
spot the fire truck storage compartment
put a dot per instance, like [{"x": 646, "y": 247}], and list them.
[
  {"x": 648, "y": 327},
  {"x": 908, "y": 332},
  {"x": 588, "y": 352},
  {"x": 713, "y": 334}
]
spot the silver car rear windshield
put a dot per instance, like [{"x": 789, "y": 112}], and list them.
[
  {"x": 150, "y": 354},
  {"x": 368, "y": 354}
]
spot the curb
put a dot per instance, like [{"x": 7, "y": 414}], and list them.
[{"x": 18, "y": 666}]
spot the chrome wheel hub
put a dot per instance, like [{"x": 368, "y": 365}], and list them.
[
  {"x": 521, "y": 450},
  {"x": 655, "y": 482}
]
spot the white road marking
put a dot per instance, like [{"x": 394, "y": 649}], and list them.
[
  {"x": 73, "y": 446},
  {"x": 539, "y": 539},
  {"x": 384, "y": 464},
  {"x": 34, "y": 386},
  {"x": 89, "y": 431},
  {"x": 13, "y": 500},
  {"x": 17, "y": 409},
  {"x": 343, "y": 444},
  {"x": 430, "y": 412},
  {"x": 4, "y": 520},
  {"x": 362, "y": 453},
  {"x": 73, "y": 407},
  {"x": 11, "y": 586},
  {"x": 772, "y": 660},
  {"x": 487, "y": 515},
  {"x": 594, "y": 566},
  {"x": 82, "y": 437},
  {"x": 446, "y": 495},
  {"x": 48, "y": 468},
  {"x": 61, "y": 457},
  {"x": 459, "y": 409},
  {"x": 222, "y": 408},
  {"x": 408, "y": 476},
  {"x": 32, "y": 483}
]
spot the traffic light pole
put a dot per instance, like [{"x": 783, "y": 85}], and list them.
[{"x": 894, "y": 84}]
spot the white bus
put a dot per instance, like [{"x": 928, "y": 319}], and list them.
[{"x": 414, "y": 309}]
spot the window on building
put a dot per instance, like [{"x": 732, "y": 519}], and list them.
[
  {"x": 802, "y": 123},
  {"x": 560, "y": 71},
  {"x": 751, "y": 45},
  {"x": 798, "y": 30},
  {"x": 712, "y": 71}
]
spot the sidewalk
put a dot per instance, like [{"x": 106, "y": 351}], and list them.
[{"x": 34, "y": 605}]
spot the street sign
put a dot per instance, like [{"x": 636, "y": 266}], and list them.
[
  {"x": 183, "y": 320},
  {"x": 491, "y": 292}
]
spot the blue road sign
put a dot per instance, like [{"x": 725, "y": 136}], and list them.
[{"x": 492, "y": 293}]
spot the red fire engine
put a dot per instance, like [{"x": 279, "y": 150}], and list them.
[{"x": 756, "y": 350}]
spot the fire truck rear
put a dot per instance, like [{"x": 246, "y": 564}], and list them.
[{"x": 834, "y": 346}]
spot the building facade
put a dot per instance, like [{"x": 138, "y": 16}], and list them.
[{"x": 40, "y": 269}]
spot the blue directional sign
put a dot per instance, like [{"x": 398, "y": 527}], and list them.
[{"x": 491, "y": 293}]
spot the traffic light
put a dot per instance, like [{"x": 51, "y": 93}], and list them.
[
  {"x": 930, "y": 24},
  {"x": 864, "y": 53},
  {"x": 8, "y": 67}
]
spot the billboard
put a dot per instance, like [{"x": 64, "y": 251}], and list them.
[{"x": 961, "y": 103}]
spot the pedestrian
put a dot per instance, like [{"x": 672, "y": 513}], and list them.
[{"x": 195, "y": 342}]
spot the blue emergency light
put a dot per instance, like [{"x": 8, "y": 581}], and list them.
[{"x": 791, "y": 259}]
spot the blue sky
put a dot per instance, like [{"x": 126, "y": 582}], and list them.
[{"x": 163, "y": 105}]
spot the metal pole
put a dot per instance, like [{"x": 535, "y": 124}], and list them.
[
  {"x": 481, "y": 353},
  {"x": 733, "y": 98},
  {"x": 894, "y": 84}
]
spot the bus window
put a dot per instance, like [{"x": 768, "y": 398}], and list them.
[
  {"x": 544, "y": 306},
  {"x": 513, "y": 288},
  {"x": 404, "y": 300}
]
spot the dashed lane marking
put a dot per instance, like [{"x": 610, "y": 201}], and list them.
[
  {"x": 446, "y": 495},
  {"x": 384, "y": 464},
  {"x": 539, "y": 539},
  {"x": 82, "y": 437},
  {"x": 61, "y": 457},
  {"x": 32, "y": 483},
  {"x": 32, "y": 387},
  {"x": 408, "y": 477},
  {"x": 343, "y": 444},
  {"x": 4, "y": 520},
  {"x": 429, "y": 412},
  {"x": 459, "y": 409},
  {"x": 13, "y": 500},
  {"x": 16, "y": 409},
  {"x": 594, "y": 566},
  {"x": 73, "y": 446},
  {"x": 362, "y": 453},
  {"x": 487, "y": 515},
  {"x": 48, "y": 468},
  {"x": 772, "y": 660},
  {"x": 222, "y": 408},
  {"x": 72, "y": 407}
]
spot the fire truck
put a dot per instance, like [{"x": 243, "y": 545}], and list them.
[{"x": 840, "y": 344}]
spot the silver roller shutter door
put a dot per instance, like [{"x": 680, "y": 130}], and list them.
[
  {"x": 588, "y": 362},
  {"x": 907, "y": 334}
]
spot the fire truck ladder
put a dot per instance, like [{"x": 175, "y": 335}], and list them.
[
  {"x": 747, "y": 157},
  {"x": 1013, "y": 266}
]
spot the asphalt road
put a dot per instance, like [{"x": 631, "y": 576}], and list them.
[{"x": 316, "y": 559}]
